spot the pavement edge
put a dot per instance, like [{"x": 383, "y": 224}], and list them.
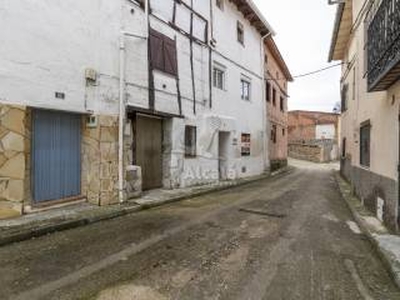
[
  {"x": 57, "y": 226},
  {"x": 388, "y": 260}
]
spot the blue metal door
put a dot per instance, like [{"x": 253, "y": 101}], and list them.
[{"x": 56, "y": 155}]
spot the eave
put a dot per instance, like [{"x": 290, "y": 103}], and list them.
[
  {"x": 270, "y": 43},
  {"x": 254, "y": 16},
  {"x": 341, "y": 31}
]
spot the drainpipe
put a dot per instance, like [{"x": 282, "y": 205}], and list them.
[
  {"x": 265, "y": 110},
  {"x": 121, "y": 118},
  {"x": 122, "y": 101}
]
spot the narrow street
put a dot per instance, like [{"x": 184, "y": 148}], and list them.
[{"x": 287, "y": 237}]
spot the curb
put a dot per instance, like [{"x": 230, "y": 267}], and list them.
[
  {"x": 383, "y": 254},
  {"x": 87, "y": 220}
]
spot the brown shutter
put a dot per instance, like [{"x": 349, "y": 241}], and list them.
[
  {"x": 156, "y": 50},
  {"x": 171, "y": 65}
]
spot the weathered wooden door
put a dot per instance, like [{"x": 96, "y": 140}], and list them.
[
  {"x": 149, "y": 150},
  {"x": 56, "y": 155}
]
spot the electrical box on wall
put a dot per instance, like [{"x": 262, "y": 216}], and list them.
[
  {"x": 91, "y": 121},
  {"x": 91, "y": 75}
]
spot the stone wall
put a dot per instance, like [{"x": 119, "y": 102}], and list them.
[
  {"x": 100, "y": 161},
  {"x": 305, "y": 152},
  {"x": 13, "y": 148},
  {"x": 277, "y": 164}
]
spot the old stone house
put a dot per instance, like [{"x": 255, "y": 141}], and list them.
[
  {"x": 366, "y": 39},
  {"x": 313, "y": 135},
  {"x": 277, "y": 76},
  {"x": 101, "y": 99}
]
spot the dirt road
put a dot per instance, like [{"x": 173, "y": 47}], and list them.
[{"x": 288, "y": 237}]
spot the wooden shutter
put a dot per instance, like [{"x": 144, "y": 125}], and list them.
[
  {"x": 171, "y": 65},
  {"x": 156, "y": 50},
  {"x": 163, "y": 53}
]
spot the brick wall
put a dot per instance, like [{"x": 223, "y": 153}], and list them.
[{"x": 302, "y": 124}]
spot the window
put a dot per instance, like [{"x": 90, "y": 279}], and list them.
[
  {"x": 282, "y": 104},
  {"x": 283, "y": 131},
  {"x": 246, "y": 144},
  {"x": 273, "y": 134},
  {"x": 365, "y": 135},
  {"x": 344, "y": 148},
  {"x": 220, "y": 4},
  {"x": 190, "y": 141},
  {"x": 163, "y": 53},
  {"x": 240, "y": 33},
  {"x": 268, "y": 92},
  {"x": 245, "y": 89},
  {"x": 344, "y": 97},
  {"x": 273, "y": 97},
  {"x": 219, "y": 79}
]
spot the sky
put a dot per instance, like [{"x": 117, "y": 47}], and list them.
[{"x": 303, "y": 35}]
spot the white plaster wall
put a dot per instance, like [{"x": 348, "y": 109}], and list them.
[
  {"x": 225, "y": 33},
  {"x": 50, "y": 49},
  {"x": 47, "y": 47},
  {"x": 325, "y": 131}
]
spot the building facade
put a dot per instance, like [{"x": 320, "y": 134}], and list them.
[
  {"x": 118, "y": 96},
  {"x": 278, "y": 76},
  {"x": 313, "y": 135},
  {"x": 366, "y": 39}
]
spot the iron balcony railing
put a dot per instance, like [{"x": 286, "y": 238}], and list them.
[{"x": 383, "y": 46}]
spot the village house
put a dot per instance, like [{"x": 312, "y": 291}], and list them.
[
  {"x": 313, "y": 135},
  {"x": 366, "y": 39},
  {"x": 103, "y": 99},
  {"x": 277, "y": 78}
]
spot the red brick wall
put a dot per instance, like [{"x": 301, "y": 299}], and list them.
[{"x": 302, "y": 124}]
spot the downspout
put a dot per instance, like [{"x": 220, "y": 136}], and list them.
[
  {"x": 122, "y": 102},
  {"x": 121, "y": 176},
  {"x": 265, "y": 110}
]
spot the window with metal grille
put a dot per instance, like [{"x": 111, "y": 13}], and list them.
[
  {"x": 273, "y": 134},
  {"x": 282, "y": 104},
  {"x": 190, "y": 141},
  {"x": 344, "y": 147},
  {"x": 344, "y": 96},
  {"x": 365, "y": 143},
  {"x": 246, "y": 144},
  {"x": 219, "y": 78},
  {"x": 245, "y": 90},
  {"x": 240, "y": 33},
  {"x": 268, "y": 92},
  {"x": 163, "y": 53}
]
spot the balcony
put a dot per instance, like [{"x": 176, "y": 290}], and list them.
[{"x": 383, "y": 46}]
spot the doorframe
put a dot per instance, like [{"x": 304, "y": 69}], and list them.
[
  {"x": 35, "y": 206},
  {"x": 227, "y": 135}
]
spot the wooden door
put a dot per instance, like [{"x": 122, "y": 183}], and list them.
[{"x": 149, "y": 150}]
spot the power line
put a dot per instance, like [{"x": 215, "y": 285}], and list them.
[
  {"x": 318, "y": 71},
  {"x": 309, "y": 73}
]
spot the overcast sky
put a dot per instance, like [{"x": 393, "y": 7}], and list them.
[{"x": 304, "y": 30}]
